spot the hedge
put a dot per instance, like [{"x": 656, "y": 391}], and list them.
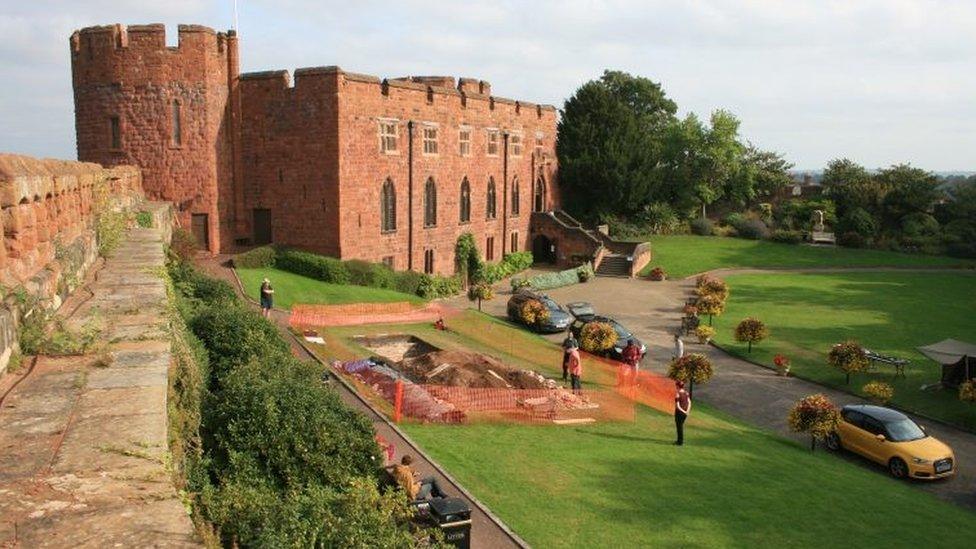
[
  {"x": 257, "y": 258},
  {"x": 515, "y": 262},
  {"x": 270, "y": 456},
  {"x": 547, "y": 281}
]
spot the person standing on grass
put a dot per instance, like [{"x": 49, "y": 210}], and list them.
[
  {"x": 575, "y": 366},
  {"x": 631, "y": 355},
  {"x": 679, "y": 347},
  {"x": 682, "y": 406},
  {"x": 267, "y": 298},
  {"x": 569, "y": 344}
]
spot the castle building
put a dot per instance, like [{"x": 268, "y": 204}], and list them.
[{"x": 344, "y": 164}]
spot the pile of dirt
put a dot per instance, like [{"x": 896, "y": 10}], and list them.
[{"x": 464, "y": 369}]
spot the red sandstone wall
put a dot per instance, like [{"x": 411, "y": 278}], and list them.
[
  {"x": 290, "y": 156},
  {"x": 363, "y": 168},
  {"x": 131, "y": 73},
  {"x": 49, "y": 201}
]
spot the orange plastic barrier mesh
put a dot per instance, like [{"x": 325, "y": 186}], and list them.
[{"x": 366, "y": 313}]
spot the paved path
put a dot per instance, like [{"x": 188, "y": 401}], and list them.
[
  {"x": 756, "y": 395},
  {"x": 83, "y": 440},
  {"x": 486, "y": 532}
]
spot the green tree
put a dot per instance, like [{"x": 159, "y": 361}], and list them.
[
  {"x": 610, "y": 145},
  {"x": 910, "y": 191},
  {"x": 761, "y": 175}
]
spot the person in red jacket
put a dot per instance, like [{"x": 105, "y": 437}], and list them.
[
  {"x": 575, "y": 366},
  {"x": 631, "y": 355}
]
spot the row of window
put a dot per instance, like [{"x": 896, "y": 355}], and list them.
[
  {"x": 388, "y": 201},
  {"x": 429, "y": 265},
  {"x": 176, "y": 127},
  {"x": 389, "y": 133}
]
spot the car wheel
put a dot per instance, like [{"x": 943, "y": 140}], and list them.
[
  {"x": 833, "y": 442},
  {"x": 898, "y": 468}
]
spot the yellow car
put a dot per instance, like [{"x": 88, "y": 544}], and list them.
[{"x": 892, "y": 439}]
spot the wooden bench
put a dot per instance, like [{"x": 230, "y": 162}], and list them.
[{"x": 822, "y": 237}]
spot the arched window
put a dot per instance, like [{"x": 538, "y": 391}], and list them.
[
  {"x": 539, "y": 197},
  {"x": 430, "y": 203},
  {"x": 515, "y": 196},
  {"x": 465, "y": 207},
  {"x": 490, "y": 202},
  {"x": 388, "y": 205}
]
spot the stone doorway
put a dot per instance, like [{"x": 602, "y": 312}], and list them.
[{"x": 543, "y": 249}]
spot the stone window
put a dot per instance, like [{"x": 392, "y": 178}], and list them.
[
  {"x": 430, "y": 203},
  {"x": 464, "y": 141},
  {"x": 388, "y": 136},
  {"x": 116, "y": 129},
  {"x": 490, "y": 201},
  {"x": 515, "y": 196},
  {"x": 515, "y": 242},
  {"x": 388, "y": 206},
  {"x": 490, "y": 249},
  {"x": 539, "y": 196},
  {"x": 465, "y": 207},
  {"x": 177, "y": 124},
  {"x": 429, "y": 261},
  {"x": 430, "y": 139},
  {"x": 492, "y": 142},
  {"x": 515, "y": 142},
  {"x": 389, "y": 261}
]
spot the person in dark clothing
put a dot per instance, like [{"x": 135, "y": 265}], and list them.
[
  {"x": 569, "y": 344},
  {"x": 682, "y": 406},
  {"x": 267, "y": 298}
]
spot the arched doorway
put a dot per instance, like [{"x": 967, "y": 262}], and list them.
[{"x": 543, "y": 249}]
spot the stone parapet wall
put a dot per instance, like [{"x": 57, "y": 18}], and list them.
[{"x": 49, "y": 211}]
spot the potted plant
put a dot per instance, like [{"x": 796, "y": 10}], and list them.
[
  {"x": 782, "y": 365},
  {"x": 658, "y": 274},
  {"x": 704, "y": 333}
]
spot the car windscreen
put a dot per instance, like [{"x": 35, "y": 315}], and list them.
[
  {"x": 622, "y": 332},
  {"x": 903, "y": 430},
  {"x": 550, "y": 304}
]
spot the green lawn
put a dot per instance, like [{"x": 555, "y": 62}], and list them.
[
  {"x": 622, "y": 484},
  {"x": 890, "y": 313},
  {"x": 291, "y": 289},
  {"x": 685, "y": 255}
]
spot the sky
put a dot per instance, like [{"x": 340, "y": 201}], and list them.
[{"x": 880, "y": 82}]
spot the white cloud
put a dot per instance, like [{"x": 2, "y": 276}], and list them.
[{"x": 880, "y": 81}]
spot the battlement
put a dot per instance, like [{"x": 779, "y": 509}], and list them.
[{"x": 141, "y": 39}]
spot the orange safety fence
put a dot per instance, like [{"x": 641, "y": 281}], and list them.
[{"x": 366, "y": 313}]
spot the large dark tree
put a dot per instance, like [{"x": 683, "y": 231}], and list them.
[
  {"x": 910, "y": 191},
  {"x": 761, "y": 175},
  {"x": 610, "y": 146}
]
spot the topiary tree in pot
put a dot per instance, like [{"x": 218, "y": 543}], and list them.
[
  {"x": 597, "y": 337},
  {"x": 534, "y": 313},
  {"x": 481, "y": 292},
  {"x": 751, "y": 330},
  {"x": 691, "y": 368},
  {"x": 848, "y": 357},
  {"x": 814, "y": 414}
]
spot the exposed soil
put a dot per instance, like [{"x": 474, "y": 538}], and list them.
[{"x": 464, "y": 369}]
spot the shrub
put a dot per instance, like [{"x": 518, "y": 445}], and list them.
[
  {"x": 814, "y": 414},
  {"x": 733, "y": 219},
  {"x": 110, "y": 227},
  {"x": 183, "y": 244},
  {"x": 710, "y": 305},
  {"x": 533, "y": 313},
  {"x": 233, "y": 335},
  {"x": 848, "y": 357},
  {"x": 144, "y": 220},
  {"x": 434, "y": 287},
  {"x": 199, "y": 288},
  {"x": 326, "y": 269},
  {"x": 858, "y": 221},
  {"x": 691, "y": 368},
  {"x": 519, "y": 283},
  {"x": 258, "y": 258},
  {"x": 546, "y": 281},
  {"x": 713, "y": 286},
  {"x": 752, "y": 229},
  {"x": 374, "y": 275},
  {"x": 967, "y": 391},
  {"x": 785, "y": 236},
  {"x": 657, "y": 273},
  {"x": 584, "y": 272},
  {"x": 851, "y": 239},
  {"x": 751, "y": 330},
  {"x": 597, "y": 337},
  {"x": 702, "y": 226},
  {"x": 705, "y": 334},
  {"x": 879, "y": 392},
  {"x": 513, "y": 263},
  {"x": 659, "y": 218},
  {"x": 408, "y": 282},
  {"x": 481, "y": 292}
]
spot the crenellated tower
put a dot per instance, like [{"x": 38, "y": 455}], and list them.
[{"x": 173, "y": 111}]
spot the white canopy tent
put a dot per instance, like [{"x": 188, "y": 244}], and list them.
[{"x": 958, "y": 360}]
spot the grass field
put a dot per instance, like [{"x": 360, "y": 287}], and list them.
[
  {"x": 292, "y": 288},
  {"x": 623, "y": 484},
  {"x": 890, "y": 313},
  {"x": 684, "y": 255}
]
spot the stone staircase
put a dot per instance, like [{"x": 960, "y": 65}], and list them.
[{"x": 614, "y": 265}]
